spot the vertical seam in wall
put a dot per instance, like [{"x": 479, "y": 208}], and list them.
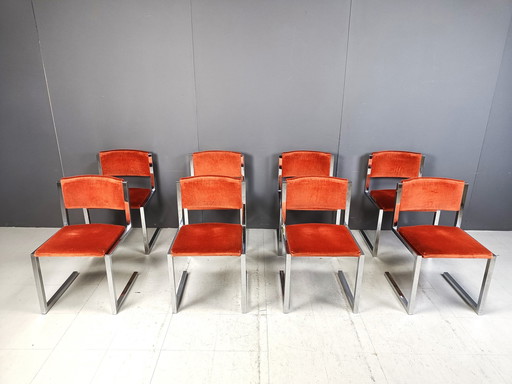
[
  {"x": 47, "y": 88},
  {"x": 194, "y": 70},
  {"x": 475, "y": 177},
  {"x": 343, "y": 88},
  {"x": 195, "y": 79}
]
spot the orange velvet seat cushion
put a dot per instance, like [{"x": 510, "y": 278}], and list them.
[
  {"x": 385, "y": 198},
  {"x": 321, "y": 240},
  {"x": 81, "y": 240},
  {"x": 442, "y": 241},
  {"x": 208, "y": 239},
  {"x": 138, "y": 196}
]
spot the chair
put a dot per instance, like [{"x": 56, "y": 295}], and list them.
[
  {"x": 219, "y": 163},
  {"x": 436, "y": 241},
  {"x": 319, "y": 239},
  {"x": 388, "y": 164},
  {"x": 86, "y": 240},
  {"x": 208, "y": 239},
  {"x": 301, "y": 163},
  {"x": 133, "y": 163}
]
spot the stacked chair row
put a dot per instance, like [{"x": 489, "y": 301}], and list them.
[{"x": 305, "y": 183}]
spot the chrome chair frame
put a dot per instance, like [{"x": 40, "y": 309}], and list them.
[
  {"x": 115, "y": 302},
  {"x": 409, "y": 304},
  {"x": 280, "y": 181},
  {"x": 148, "y": 244},
  {"x": 374, "y": 247},
  {"x": 183, "y": 219},
  {"x": 242, "y": 165},
  {"x": 352, "y": 296}
]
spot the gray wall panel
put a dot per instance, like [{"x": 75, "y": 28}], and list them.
[
  {"x": 491, "y": 202},
  {"x": 269, "y": 79},
  {"x": 420, "y": 77},
  {"x": 260, "y": 77},
  {"x": 121, "y": 76},
  {"x": 29, "y": 157}
]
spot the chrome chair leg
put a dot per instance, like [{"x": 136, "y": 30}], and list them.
[
  {"x": 176, "y": 295},
  {"x": 484, "y": 289},
  {"x": 280, "y": 230},
  {"x": 170, "y": 266},
  {"x": 407, "y": 304},
  {"x": 148, "y": 245},
  {"x": 47, "y": 305},
  {"x": 285, "y": 282},
  {"x": 281, "y": 250},
  {"x": 353, "y": 298},
  {"x": 43, "y": 304},
  {"x": 375, "y": 250},
  {"x": 279, "y": 241},
  {"x": 111, "y": 286},
  {"x": 117, "y": 302},
  {"x": 243, "y": 281},
  {"x": 476, "y": 306},
  {"x": 374, "y": 247}
]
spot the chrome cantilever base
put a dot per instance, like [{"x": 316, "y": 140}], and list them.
[
  {"x": 177, "y": 294},
  {"x": 117, "y": 302},
  {"x": 352, "y": 297},
  {"x": 374, "y": 246},
  {"x": 148, "y": 245},
  {"x": 45, "y": 306},
  {"x": 475, "y": 305},
  {"x": 279, "y": 246}
]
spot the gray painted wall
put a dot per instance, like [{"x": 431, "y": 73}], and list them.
[
  {"x": 173, "y": 77},
  {"x": 269, "y": 79},
  {"x": 29, "y": 157},
  {"x": 121, "y": 75},
  {"x": 491, "y": 202},
  {"x": 421, "y": 77}
]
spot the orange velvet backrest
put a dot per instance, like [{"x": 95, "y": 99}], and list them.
[
  {"x": 125, "y": 162},
  {"x": 398, "y": 164},
  {"x": 220, "y": 163},
  {"x": 93, "y": 191},
  {"x": 315, "y": 193},
  {"x": 211, "y": 192},
  {"x": 431, "y": 194},
  {"x": 305, "y": 163}
]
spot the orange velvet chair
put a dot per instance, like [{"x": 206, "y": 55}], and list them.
[
  {"x": 133, "y": 163},
  {"x": 219, "y": 163},
  {"x": 319, "y": 239},
  {"x": 390, "y": 165},
  {"x": 301, "y": 163},
  {"x": 431, "y": 194},
  {"x": 208, "y": 239},
  {"x": 86, "y": 240}
]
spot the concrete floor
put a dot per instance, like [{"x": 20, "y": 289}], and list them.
[{"x": 210, "y": 341}]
